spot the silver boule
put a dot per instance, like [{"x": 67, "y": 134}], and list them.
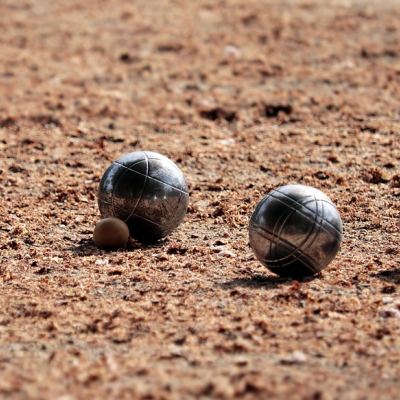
[
  {"x": 295, "y": 231},
  {"x": 147, "y": 191}
]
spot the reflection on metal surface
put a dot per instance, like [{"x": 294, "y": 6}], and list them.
[
  {"x": 147, "y": 191},
  {"x": 295, "y": 230}
]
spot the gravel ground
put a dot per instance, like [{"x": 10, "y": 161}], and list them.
[{"x": 244, "y": 96}]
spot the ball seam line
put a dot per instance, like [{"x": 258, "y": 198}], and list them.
[
  {"x": 146, "y": 219},
  {"x": 144, "y": 185},
  {"x": 152, "y": 178},
  {"x": 289, "y": 246},
  {"x": 116, "y": 184},
  {"x": 299, "y": 247},
  {"x": 309, "y": 209}
]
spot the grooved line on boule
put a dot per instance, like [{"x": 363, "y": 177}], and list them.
[
  {"x": 152, "y": 178},
  {"x": 112, "y": 193},
  {"x": 300, "y": 254},
  {"x": 146, "y": 219},
  {"x": 278, "y": 236},
  {"x": 310, "y": 233},
  {"x": 144, "y": 185},
  {"x": 304, "y": 205}
]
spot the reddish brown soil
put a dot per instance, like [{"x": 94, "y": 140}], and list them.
[{"x": 245, "y": 96}]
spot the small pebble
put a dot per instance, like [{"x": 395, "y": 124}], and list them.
[
  {"x": 390, "y": 313},
  {"x": 226, "y": 253},
  {"x": 297, "y": 357},
  {"x": 387, "y": 300}
]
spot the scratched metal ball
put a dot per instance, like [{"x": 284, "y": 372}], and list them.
[
  {"x": 295, "y": 231},
  {"x": 147, "y": 191}
]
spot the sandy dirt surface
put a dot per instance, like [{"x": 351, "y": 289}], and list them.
[{"x": 245, "y": 96}]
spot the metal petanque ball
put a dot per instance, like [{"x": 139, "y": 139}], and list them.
[
  {"x": 295, "y": 231},
  {"x": 147, "y": 191}
]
